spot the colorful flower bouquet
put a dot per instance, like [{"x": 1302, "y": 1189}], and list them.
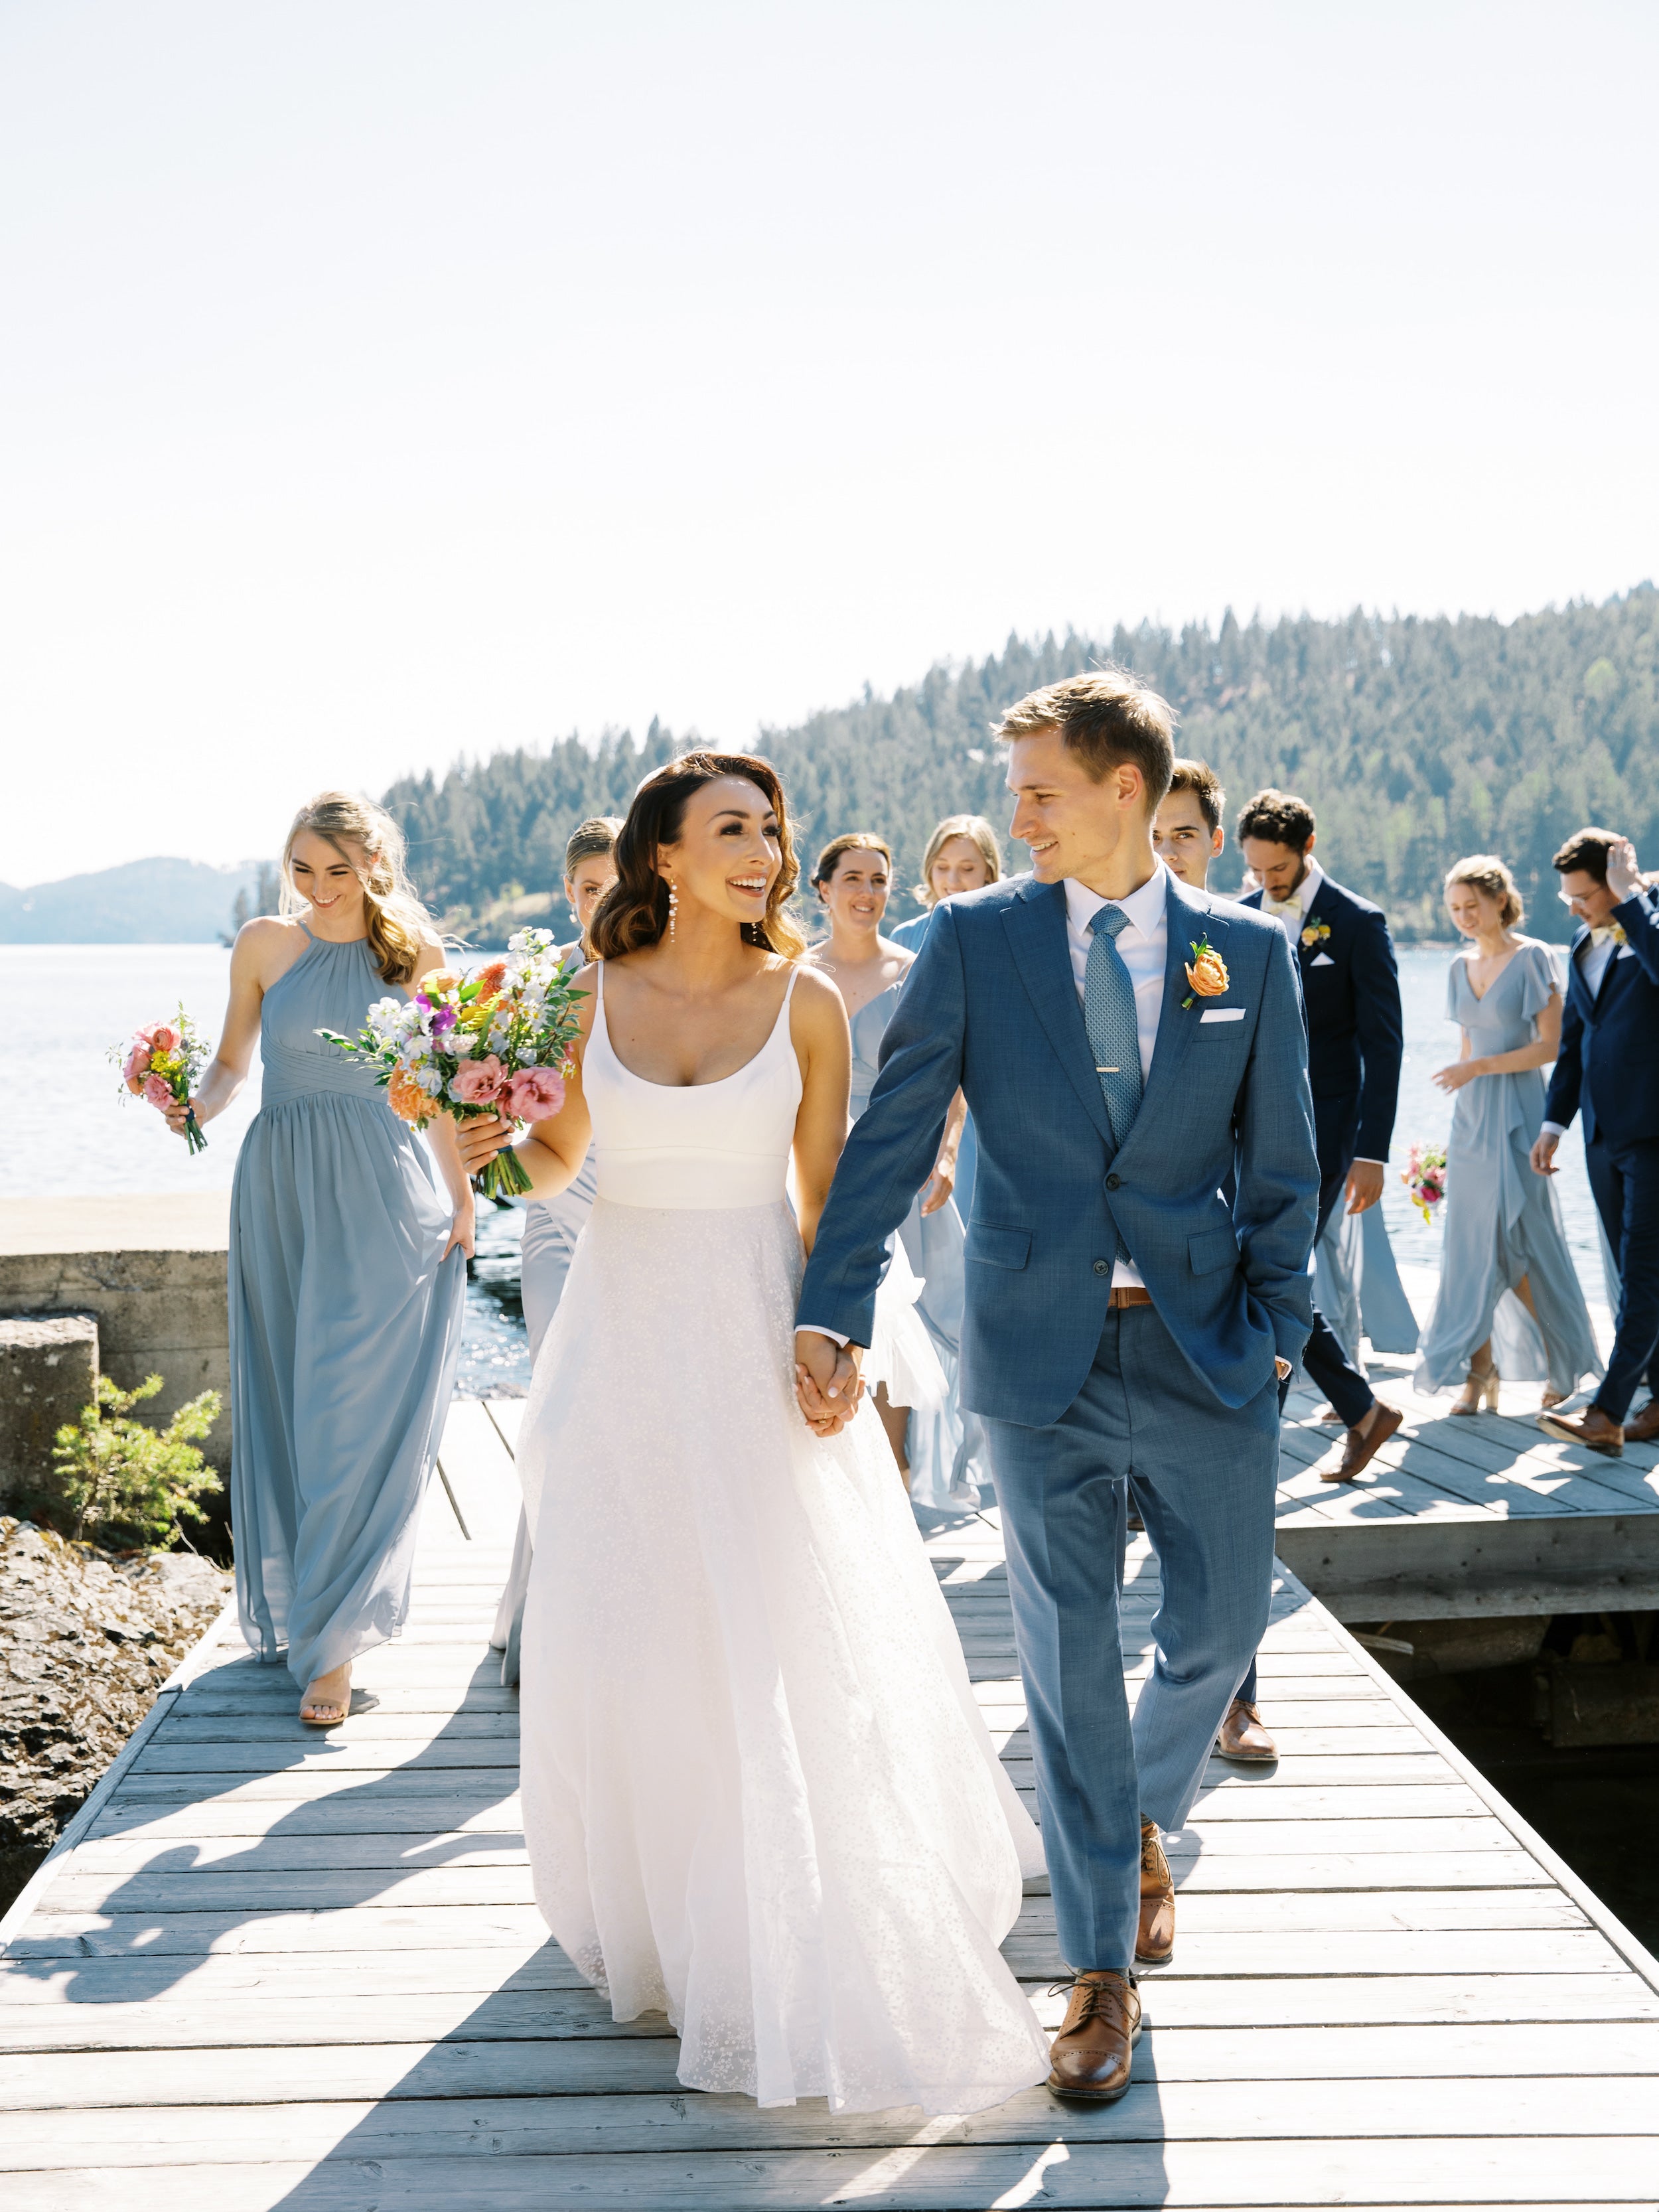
[
  {"x": 160, "y": 1064},
  {"x": 1424, "y": 1177},
  {"x": 496, "y": 1043}
]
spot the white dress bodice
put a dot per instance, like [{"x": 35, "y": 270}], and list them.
[{"x": 692, "y": 1147}]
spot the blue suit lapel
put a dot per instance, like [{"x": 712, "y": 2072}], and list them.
[
  {"x": 1036, "y": 936},
  {"x": 1186, "y": 921},
  {"x": 1576, "y": 981}
]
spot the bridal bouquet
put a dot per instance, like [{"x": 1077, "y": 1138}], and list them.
[
  {"x": 160, "y": 1064},
  {"x": 1424, "y": 1177},
  {"x": 496, "y": 1043}
]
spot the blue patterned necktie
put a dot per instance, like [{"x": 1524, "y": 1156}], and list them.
[{"x": 1108, "y": 1015}]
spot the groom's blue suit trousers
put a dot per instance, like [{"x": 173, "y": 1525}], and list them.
[{"x": 1205, "y": 1476}]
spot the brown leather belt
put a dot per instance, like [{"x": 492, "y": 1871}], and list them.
[{"x": 1127, "y": 1295}]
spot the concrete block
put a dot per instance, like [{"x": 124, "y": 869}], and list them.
[{"x": 48, "y": 1372}]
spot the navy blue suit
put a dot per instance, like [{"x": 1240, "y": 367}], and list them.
[
  {"x": 1355, "y": 1041},
  {"x": 1078, "y": 1394},
  {"x": 1607, "y": 1070}
]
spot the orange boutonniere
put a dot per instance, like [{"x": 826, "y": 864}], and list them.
[
  {"x": 1315, "y": 933},
  {"x": 1206, "y": 972}
]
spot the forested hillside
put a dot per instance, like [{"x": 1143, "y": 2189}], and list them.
[{"x": 1415, "y": 741}]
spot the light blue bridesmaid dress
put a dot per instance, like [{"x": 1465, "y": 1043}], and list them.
[
  {"x": 910, "y": 934},
  {"x": 345, "y": 1331},
  {"x": 1504, "y": 1222},
  {"x": 551, "y": 1227},
  {"x": 949, "y": 1462}
]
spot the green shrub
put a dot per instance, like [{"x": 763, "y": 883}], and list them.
[{"x": 123, "y": 1485}]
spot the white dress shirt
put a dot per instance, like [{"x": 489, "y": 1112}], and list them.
[
  {"x": 1593, "y": 964},
  {"x": 1142, "y": 945}
]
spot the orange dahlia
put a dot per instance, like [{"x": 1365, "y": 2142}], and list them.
[{"x": 406, "y": 1098}]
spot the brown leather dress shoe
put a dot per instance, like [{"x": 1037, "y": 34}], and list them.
[
  {"x": 1243, "y": 1737},
  {"x": 1361, "y": 1448},
  {"x": 1645, "y": 1429},
  {"x": 1155, "y": 1938},
  {"x": 1591, "y": 1428},
  {"x": 1092, "y": 2055}
]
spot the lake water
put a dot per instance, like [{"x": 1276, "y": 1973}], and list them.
[{"x": 71, "y": 1128}]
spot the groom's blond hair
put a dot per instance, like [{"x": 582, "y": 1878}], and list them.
[{"x": 1105, "y": 718}]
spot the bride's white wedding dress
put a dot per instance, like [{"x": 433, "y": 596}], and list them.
[{"x": 758, "y": 1794}]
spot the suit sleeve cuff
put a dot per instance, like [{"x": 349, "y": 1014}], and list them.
[
  {"x": 1365, "y": 1160},
  {"x": 1550, "y": 1129},
  {"x": 812, "y": 1329}
]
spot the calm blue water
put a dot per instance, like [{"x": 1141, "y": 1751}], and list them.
[{"x": 66, "y": 1125}]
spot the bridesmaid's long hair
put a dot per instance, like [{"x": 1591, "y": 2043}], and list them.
[
  {"x": 634, "y": 912},
  {"x": 396, "y": 923}
]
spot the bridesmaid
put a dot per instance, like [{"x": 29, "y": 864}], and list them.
[
  {"x": 917, "y": 1398},
  {"x": 961, "y": 856},
  {"x": 1503, "y": 1231},
  {"x": 347, "y": 1265},
  {"x": 551, "y": 1225}
]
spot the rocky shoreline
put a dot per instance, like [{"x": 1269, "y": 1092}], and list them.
[{"x": 87, "y": 1638}]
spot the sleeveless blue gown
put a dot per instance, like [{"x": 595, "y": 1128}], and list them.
[
  {"x": 345, "y": 1331},
  {"x": 949, "y": 1462}
]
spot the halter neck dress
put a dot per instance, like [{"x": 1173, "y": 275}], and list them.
[
  {"x": 346, "y": 1330},
  {"x": 757, "y": 1794},
  {"x": 1504, "y": 1222}
]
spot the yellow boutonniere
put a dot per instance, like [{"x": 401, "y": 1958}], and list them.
[
  {"x": 1206, "y": 973},
  {"x": 1315, "y": 933}
]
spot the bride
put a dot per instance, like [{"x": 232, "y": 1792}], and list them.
[{"x": 757, "y": 1793}]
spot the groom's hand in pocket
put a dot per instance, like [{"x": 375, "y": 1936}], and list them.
[{"x": 828, "y": 1384}]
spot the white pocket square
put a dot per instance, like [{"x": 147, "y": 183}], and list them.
[
  {"x": 1322, "y": 960},
  {"x": 1223, "y": 1014}
]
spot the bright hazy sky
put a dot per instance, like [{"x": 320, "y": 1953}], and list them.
[{"x": 387, "y": 381}]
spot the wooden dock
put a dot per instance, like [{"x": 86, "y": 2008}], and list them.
[{"x": 274, "y": 1969}]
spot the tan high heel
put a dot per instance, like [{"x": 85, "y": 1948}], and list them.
[{"x": 1480, "y": 1391}]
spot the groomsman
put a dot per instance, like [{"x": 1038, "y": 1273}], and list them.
[
  {"x": 1350, "y": 990},
  {"x": 1608, "y": 1069},
  {"x": 1187, "y": 836}
]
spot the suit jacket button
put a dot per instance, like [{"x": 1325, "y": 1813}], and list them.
[
  {"x": 1112, "y": 1181},
  {"x": 1102, "y": 1267}
]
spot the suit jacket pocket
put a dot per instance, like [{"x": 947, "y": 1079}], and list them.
[
  {"x": 998, "y": 1248},
  {"x": 1212, "y": 1249}
]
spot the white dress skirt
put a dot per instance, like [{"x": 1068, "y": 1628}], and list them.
[{"x": 758, "y": 1796}]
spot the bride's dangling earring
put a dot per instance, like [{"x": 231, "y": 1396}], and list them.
[{"x": 673, "y": 909}]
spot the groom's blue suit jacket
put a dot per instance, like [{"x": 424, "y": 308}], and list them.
[{"x": 991, "y": 1006}]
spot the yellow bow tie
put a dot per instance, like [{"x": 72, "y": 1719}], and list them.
[
  {"x": 1292, "y": 905},
  {"x": 1609, "y": 933}
]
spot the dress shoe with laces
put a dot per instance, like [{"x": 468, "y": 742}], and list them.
[
  {"x": 1155, "y": 1938},
  {"x": 1592, "y": 1429},
  {"x": 1092, "y": 2055},
  {"x": 1362, "y": 1445},
  {"x": 1645, "y": 1429},
  {"x": 1241, "y": 1735}
]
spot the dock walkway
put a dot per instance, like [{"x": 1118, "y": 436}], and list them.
[{"x": 278, "y": 1970}]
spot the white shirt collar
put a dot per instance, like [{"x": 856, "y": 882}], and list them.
[
  {"x": 1144, "y": 908},
  {"x": 1305, "y": 892}
]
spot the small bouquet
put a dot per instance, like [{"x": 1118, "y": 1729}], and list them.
[
  {"x": 1424, "y": 1177},
  {"x": 496, "y": 1043},
  {"x": 160, "y": 1064}
]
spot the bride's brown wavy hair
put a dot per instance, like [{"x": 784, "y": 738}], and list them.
[{"x": 634, "y": 912}]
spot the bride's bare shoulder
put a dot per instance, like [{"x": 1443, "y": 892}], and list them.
[{"x": 817, "y": 1007}]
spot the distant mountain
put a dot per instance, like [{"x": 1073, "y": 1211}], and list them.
[
  {"x": 161, "y": 901},
  {"x": 1417, "y": 739}
]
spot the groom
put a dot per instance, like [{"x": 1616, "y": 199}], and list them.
[{"x": 1121, "y": 1041}]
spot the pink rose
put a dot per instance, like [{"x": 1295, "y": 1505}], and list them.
[
  {"x": 136, "y": 1068},
  {"x": 533, "y": 1094},
  {"x": 478, "y": 1082},
  {"x": 164, "y": 1038},
  {"x": 159, "y": 1091}
]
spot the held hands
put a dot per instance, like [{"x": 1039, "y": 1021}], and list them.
[
  {"x": 1624, "y": 876},
  {"x": 1543, "y": 1152},
  {"x": 827, "y": 1383},
  {"x": 1454, "y": 1077},
  {"x": 1365, "y": 1183}
]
